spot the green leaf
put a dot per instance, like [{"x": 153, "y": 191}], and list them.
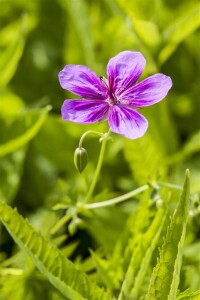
[
  {"x": 11, "y": 166},
  {"x": 141, "y": 8},
  {"x": 62, "y": 142},
  {"x": 26, "y": 284},
  {"x": 160, "y": 134},
  {"x": 140, "y": 160},
  {"x": 103, "y": 270},
  {"x": 147, "y": 32},
  {"x": 191, "y": 146},
  {"x": 181, "y": 28},
  {"x": 187, "y": 295},
  {"x": 12, "y": 42},
  {"x": 191, "y": 255},
  {"x": 137, "y": 223},
  {"x": 20, "y": 130},
  {"x": 100, "y": 233},
  {"x": 165, "y": 278},
  {"x": 82, "y": 26},
  {"x": 10, "y": 104},
  {"x": 61, "y": 272},
  {"x": 141, "y": 257}
]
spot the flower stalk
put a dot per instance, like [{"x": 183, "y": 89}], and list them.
[
  {"x": 117, "y": 200},
  {"x": 86, "y": 133},
  {"x": 104, "y": 139},
  {"x": 124, "y": 197}
]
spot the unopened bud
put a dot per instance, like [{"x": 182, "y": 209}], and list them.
[{"x": 80, "y": 159}]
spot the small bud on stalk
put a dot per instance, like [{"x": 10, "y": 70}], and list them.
[{"x": 80, "y": 159}]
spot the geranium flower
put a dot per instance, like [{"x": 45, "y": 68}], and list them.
[{"x": 117, "y": 98}]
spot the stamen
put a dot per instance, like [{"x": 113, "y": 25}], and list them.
[{"x": 104, "y": 81}]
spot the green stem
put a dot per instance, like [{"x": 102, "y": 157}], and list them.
[
  {"x": 117, "y": 199},
  {"x": 127, "y": 196},
  {"x": 60, "y": 223},
  {"x": 105, "y": 137},
  {"x": 86, "y": 133},
  {"x": 170, "y": 185}
]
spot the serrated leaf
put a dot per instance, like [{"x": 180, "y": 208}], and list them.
[
  {"x": 137, "y": 223},
  {"x": 141, "y": 257},
  {"x": 140, "y": 160},
  {"x": 165, "y": 278},
  {"x": 61, "y": 272},
  {"x": 187, "y": 295},
  {"x": 21, "y": 129}
]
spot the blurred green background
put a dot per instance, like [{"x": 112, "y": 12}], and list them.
[{"x": 37, "y": 38}]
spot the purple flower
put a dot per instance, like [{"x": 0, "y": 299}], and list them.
[{"x": 117, "y": 98}]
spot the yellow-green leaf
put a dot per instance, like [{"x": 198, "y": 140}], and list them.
[
  {"x": 17, "y": 131},
  {"x": 60, "y": 271},
  {"x": 165, "y": 278}
]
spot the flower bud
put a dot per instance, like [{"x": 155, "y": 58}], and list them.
[{"x": 80, "y": 159}]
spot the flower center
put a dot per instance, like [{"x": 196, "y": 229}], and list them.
[{"x": 112, "y": 99}]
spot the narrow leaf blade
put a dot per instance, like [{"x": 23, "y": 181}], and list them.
[
  {"x": 187, "y": 295},
  {"x": 165, "y": 278},
  {"x": 33, "y": 120}
]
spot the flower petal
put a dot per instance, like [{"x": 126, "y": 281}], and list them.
[
  {"x": 126, "y": 121},
  {"x": 83, "y": 82},
  {"x": 124, "y": 70},
  {"x": 149, "y": 91},
  {"x": 84, "y": 111}
]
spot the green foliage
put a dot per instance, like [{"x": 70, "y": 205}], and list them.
[
  {"x": 72, "y": 283},
  {"x": 16, "y": 132},
  {"x": 140, "y": 160},
  {"x": 117, "y": 245},
  {"x": 165, "y": 277},
  {"x": 179, "y": 30},
  {"x": 82, "y": 26},
  {"x": 187, "y": 295},
  {"x": 11, "y": 166},
  {"x": 141, "y": 257},
  {"x": 12, "y": 42}
]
